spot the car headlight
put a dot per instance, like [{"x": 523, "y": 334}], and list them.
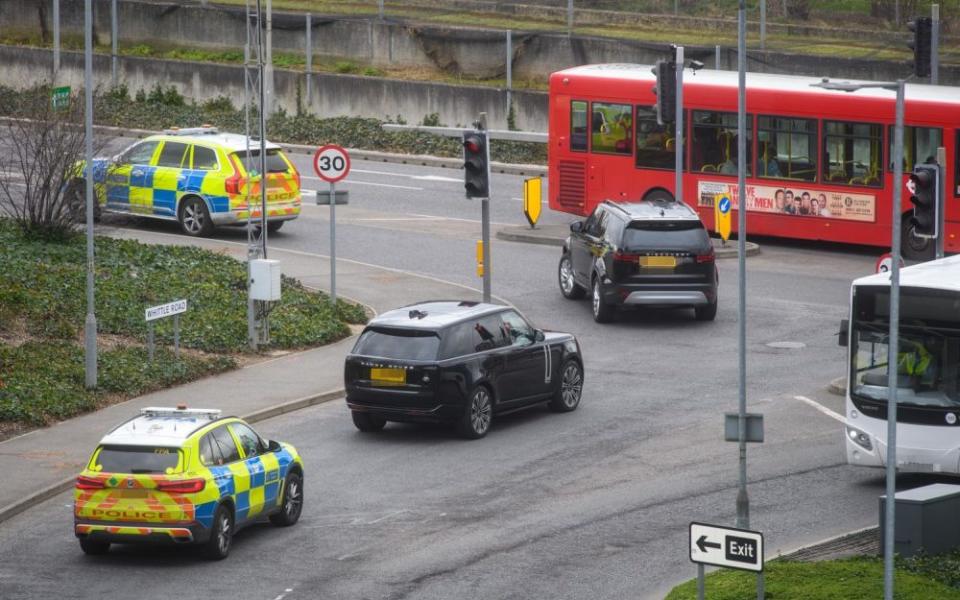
[{"x": 859, "y": 438}]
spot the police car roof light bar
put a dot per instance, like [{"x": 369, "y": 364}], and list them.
[
  {"x": 164, "y": 411},
  {"x": 206, "y": 129}
]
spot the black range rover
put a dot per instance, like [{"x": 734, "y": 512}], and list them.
[
  {"x": 650, "y": 253},
  {"x": 458, "y": 362}
]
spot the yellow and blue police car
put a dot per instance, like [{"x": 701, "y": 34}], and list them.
[
  {"x": 199, "y": 177},
  {"x": 184, "y": 475}
]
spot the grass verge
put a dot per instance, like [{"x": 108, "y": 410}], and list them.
[
  {"x": 858, "y": 578},
  {"x": 42, "y": 311}
]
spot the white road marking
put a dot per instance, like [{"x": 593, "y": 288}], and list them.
[
  {"x": 463, "y": 220},
  {"x": 285, "y": 592},
  {"x": 436, "y": 178},
  {"x": 821, "y": 408},
  {"x": 387, "y": 516}
]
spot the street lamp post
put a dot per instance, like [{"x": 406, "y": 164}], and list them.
[
  {"x": 894, "y": 333},
  {"x": 90, "y": 324}
]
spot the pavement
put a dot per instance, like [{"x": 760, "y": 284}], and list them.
[
  {"x": 554, "y": 235},
  {"x": 44, "y": 462}
]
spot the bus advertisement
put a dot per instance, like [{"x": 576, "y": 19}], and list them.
[
  {"x": 819, "y": 163},
  {"x": 927, "y": 369}
]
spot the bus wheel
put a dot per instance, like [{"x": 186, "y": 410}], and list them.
[
  {"x": 912, "y": 246},
  {"x": 658, "y": 196}
]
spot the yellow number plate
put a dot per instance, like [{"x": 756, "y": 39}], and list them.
[
  {"x": 658, "y": 261},
  {"x": 388, "y": 376}
]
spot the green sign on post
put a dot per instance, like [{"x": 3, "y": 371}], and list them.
[{"x": 60, "y": 98}]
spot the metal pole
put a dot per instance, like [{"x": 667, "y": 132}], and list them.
[
  {"x": 333, "y": 243},
  {"x": 569, "y": 17},
  {"x": 176, "y": 336},
  {"x": 113, "y": 43},
  {"x": 761, "y": 585},
  {"x": 380, "y": 8},
  {"x": 743, "y": 501},
  {"x": 485, "y": 235},
  {"x": 309, "y": 62},
  {"x": 896, "y": 12},
  {"x": 935, "y": 45},
  {"x": 676, "y": 7},
  {"x": 509, "y": 62},
  {"x": 56, "y": 39},
  {"x": 763, "y": 24},
  {"x": 700, "y": 583},
  {"x": 716, "y": 58},
  {"x": 90, "y": 324},
  {"x": 942, "y": 161},
  {"x": 678, "y": 128},
  {"x": 150, "y": 341},
  {"x": 267, "y": 106},
  {"x": 266, "y": 74},
  {"x": 892, "y": 349}
]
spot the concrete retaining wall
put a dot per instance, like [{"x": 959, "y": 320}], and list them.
[
  {"x": 477, "y": 53},
  {"x": 333, "y": 95}
]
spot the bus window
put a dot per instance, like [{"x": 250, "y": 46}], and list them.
[
  {"x": 656, "y": 146},
  {"x": 852, "y": 153},
  {"x": 919, "y": 146},
  {"x": 787, "y": 148},
  {"x": 713, "y": 146},
  {"x": 578, "y": 126},
  {"x": 611, "y": 128}
]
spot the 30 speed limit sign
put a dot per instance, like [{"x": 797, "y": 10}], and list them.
[{"x": 331, "y": 162}]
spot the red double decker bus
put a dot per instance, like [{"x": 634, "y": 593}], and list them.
[{"x": 819, "y": 161}]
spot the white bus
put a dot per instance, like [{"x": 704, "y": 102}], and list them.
[{"x": 928, "y": 369}]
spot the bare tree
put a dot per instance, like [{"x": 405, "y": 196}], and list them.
[{"x": 41, "y": 168}]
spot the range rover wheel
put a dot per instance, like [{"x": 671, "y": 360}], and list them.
[
  {"x": 568, "y": 285},
  {"x": 476, "y": 419},
  {"x": 366, "y": 422},
  {"x": 707, "y": 312},
  {"x": 568, "y": 394},
  {"x": 602, "y": 312}
]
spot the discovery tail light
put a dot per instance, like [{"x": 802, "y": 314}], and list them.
[
  {"x": 89, "y": 483},
  {"x": 625, "y": 257},
  {"x": 184, "y": 486},
  {"x": 709, "y": 257}
]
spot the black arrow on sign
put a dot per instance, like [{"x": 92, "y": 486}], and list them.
[{"x": 703, "y": 544}]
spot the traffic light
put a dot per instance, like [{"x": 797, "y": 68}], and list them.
[
  {"x": 476, "y": 168},
  {"x": 922, "y": 28},
  {"x": 666, "y": 91},
  {"x": 925, "y": 195}
]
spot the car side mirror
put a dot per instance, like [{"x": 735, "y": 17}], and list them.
[
  {"x": 274, "y": 446},
  {"x": 844, "y": 335},
  {"x": 576, "y": 226},
  {"x": 538, "y": 335}
]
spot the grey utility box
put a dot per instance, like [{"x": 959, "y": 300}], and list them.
[{"x": 927, "y": 518}]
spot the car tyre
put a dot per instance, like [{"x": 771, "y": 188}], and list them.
[
  {"x": 707, "y": 312},
  {"x": 478, "y": 414},
  {"x": 366, "y": 422},
  {"x": 94, "y": 548},
  {"x": 194, "y": 217},
  {"x": 292, "y": 503},
  {"x": 567, "y": 397},
  {"x": 75, "y": 199},
  {"x": 602, "y": 312},
  {"x": 221, "y": 535},
  {"x": 569, "y": 287},
  {"x": 274, "y": 226}
]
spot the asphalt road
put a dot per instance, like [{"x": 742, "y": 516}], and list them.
[{"x": 593, "y": 504}]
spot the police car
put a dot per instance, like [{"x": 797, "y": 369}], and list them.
[
  {"x": 184, "y": 476},
  {"x": 199, "y": 177}
]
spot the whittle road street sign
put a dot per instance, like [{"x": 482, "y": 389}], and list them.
[{"x": 726, "y": 547}]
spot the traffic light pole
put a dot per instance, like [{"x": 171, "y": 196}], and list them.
[
  {"x": 941, "y": 199},
  {"x": 485, "y": 218},
  {"x": 678, "y": 130}
]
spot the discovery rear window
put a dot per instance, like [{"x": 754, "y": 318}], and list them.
[
  {"x": 137, "y": 459},
  {"x": 275, "y": 162},
  {"x": 398, "y": 343},
  {"x": 672, "y": 235}
]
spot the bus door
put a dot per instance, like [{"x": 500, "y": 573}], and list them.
[{"x": 611, "y": 151}]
